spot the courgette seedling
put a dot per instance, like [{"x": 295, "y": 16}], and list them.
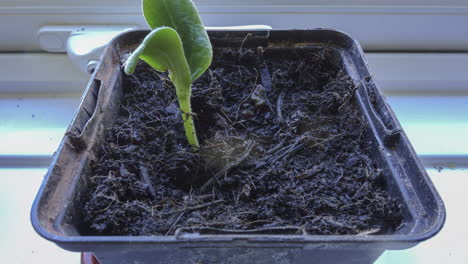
[{"x": 178, "y": 43}]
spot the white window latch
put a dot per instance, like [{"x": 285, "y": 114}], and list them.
[{"x": 83, "y": 44}]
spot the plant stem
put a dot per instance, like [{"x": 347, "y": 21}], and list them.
[
  {"x": 183, "y": 96},
  {"x": 189, "y": 125}
]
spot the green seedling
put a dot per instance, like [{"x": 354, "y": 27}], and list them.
[{"x": 178, "y": 43}]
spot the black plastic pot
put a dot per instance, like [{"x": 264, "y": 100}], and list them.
[{"x": 54, "y": 214}]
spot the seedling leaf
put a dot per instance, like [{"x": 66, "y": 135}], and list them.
[{"x": 182, "y": 16}]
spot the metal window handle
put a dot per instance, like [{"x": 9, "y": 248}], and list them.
[{"x": 84, "y": 44}]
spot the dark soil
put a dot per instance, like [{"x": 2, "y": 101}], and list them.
[{"x": 282, "y": 144}]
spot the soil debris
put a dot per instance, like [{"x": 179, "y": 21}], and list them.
[{"x": 282, "y": 144}]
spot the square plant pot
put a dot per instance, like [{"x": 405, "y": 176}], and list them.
[{"x": 327, "y": 207}]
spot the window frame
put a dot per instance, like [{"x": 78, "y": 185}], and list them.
[{"x": 412, "y": 25}]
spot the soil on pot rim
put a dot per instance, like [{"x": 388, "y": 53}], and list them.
[{"x": 282, "y": 144}]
